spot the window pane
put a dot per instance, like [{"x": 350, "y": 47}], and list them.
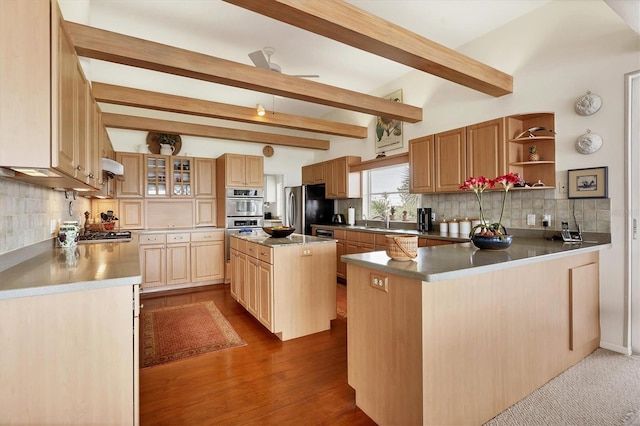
[{"x": 388, "y": 188}]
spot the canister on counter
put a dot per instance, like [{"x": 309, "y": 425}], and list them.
[
  {"x": 454, "y": 227},
  {"x": 465, "y": 226},
  {"x": 444, "y": 227},
  {"x": 474, "y": 223}
]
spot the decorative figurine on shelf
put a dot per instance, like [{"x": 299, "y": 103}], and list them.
[{"x": 533, "y": 153}]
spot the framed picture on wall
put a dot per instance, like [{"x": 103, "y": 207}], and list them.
[
  {"x": 389, "y": 130},
  {"x": 588, "y": 183}
]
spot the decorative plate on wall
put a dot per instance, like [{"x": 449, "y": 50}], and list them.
[
  {"x": 588, "y": 104},
  {"x": 154, "y": 143},
  {"x": 588, "y": 143}
]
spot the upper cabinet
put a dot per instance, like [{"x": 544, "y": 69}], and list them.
[
  {"x": 314, "y": 174},
  {"x": 450, "y": 159},
  {"x": 237, "y": 170},
  {"x": 525, "y": 132},
  {"x": 340, "y": 182},
  {"x": 130, "y": 185},
  {"x": 166, "y": 175},
  {"x": 421, "y": 179},
  {"x": 46, "y": 102},
  {"x": 486, "y": 149},
  {"x": 205, "y": 177}
]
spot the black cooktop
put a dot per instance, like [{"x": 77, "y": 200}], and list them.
[{"x": 106, "y": 235}]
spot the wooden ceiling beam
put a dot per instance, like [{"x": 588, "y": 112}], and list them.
[
  {"x": 119, "y": 95},
  {"x": 121, "y": 121},
  {"x": 343, "y": 22},
  {"x": 119, "y": 48}
]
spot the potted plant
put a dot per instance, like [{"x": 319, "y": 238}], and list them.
[
  {"x": 533, "y": 153},
  {"x": 393, "y": 213},
  {"x": 405, "y": 216}
]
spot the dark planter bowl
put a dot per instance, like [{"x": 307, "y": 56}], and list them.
[
  {"x": 492, "y": 242},
  {"x": 280, "y": 232}
]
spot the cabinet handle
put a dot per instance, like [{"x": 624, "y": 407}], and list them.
[{"x": 207, "y": 236}]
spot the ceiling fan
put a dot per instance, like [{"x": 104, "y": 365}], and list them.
[{"x": 262, "y": 59}]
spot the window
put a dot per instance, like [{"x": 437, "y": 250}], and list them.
[{"x": 386, "y": 191}]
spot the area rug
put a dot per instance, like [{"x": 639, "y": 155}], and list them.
[
  {"x": 178, "y": 332},
  {"x": 341, "y": 301}
]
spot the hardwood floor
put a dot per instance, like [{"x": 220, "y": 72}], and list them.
[{"x": 267, "y": 382}]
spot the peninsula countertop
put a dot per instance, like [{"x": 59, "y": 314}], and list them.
[
  {"x": 293, "y": 239},
  {"x": 84, "y": 267},
  {"x": 441, "y": 263}
]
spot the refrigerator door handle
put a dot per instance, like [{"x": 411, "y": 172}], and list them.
[{"x": 292, "y": 210}]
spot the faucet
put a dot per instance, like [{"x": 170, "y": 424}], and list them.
[
  {"x": 386, "y": 219},
  {"x": 364, "y": 217}
]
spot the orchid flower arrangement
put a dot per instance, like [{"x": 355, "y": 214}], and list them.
[{"x": 478, "y": 186}]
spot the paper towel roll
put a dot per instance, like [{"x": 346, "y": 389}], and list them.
[{"x": 351, "y": 216}]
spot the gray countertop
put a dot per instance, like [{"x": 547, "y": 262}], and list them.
[
  {"x": 84, "y": 267},
  {"x": 293, "y": 239},
  {"x": 447, "y": 262},
  {"x": 458, "y": 238}
]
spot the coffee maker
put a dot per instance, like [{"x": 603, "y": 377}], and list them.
[{"x": 424, "y": 220}]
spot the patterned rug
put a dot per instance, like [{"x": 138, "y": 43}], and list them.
[
  {"x": 341, "y": 301},
  {"x": 178, "y": 332}
]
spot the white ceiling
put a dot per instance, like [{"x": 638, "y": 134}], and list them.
[{"x": 220, "y": 29}]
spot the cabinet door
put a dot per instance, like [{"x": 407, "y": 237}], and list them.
[
  {"x": 153, "y": 265},
  {"x": 157, "y": 175},
  {"x": 131, "y": 214},
  {"x": 252, "y": 286},
  {"x": 181, "y": 177},
  {"x": 82, "y": 137},
  {"x": 421, "y": 165},
  {"x": 340, "y": 177},
  {"x": 341, "y": 266},
  {"x": 265, "y": 305},
  {"x": 207, "y": 261},
  {"x": 206, "y": 212},
  {"x": 235, "y": 275},
  {"x": 65, "y": 151},
  {"x": 254, "y": 171},
  {"x": 307, "y": 175},
  {"x": 235, "y": 170},
  {"x": 486, "y": 149},
  {"x": 178, "y": 263},
  {"x": 205, "y": 177},
  {"x": 130, "y": 185},
  {"x": 243, "y": 284},
  {"x": 450, "y": 154},
  {"x": 318, "y": 171}
]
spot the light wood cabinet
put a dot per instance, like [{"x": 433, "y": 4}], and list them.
[
  {"x": 290, "y": 289},
  {"x": 130, "y": 185},
  {"x": 541, "y": 172},
  {"x": 206, "y": 212},
  {"x": 131, "y": 213},
  {"x": 450, "y": 152},
  {"x": 178, "y": 258},
  {"x": 340, "y": 182},
  {"x": 207, "y": 256},
  {"x": 169, "y": 213},
  {"x": 421, "y": 165},
  {"x": 205, "y": 177},
  {"x": 341, "y": 248},
  {"x": 71, "y": 359},
  {"x": 487, "y": 149},
  {"x": 153, "y": 260},
  {"x": 236, "y": 170},
  {"x": 314, "y": 174},
  {"x": 168, "y": 176}
]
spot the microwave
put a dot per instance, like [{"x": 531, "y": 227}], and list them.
[{"x": 244, "y": 207}]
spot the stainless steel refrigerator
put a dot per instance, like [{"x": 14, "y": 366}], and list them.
[{"x": 306, "y": 206}]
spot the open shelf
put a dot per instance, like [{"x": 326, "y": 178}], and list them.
[{"x": 542, "y": 170}]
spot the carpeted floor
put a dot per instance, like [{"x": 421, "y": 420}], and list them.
[
  {"x": 179, "y": 332},
  {"x": 601, "y": 390},
  {"x": 341, "y": 301}
]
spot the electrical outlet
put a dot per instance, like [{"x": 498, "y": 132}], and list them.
[
  {"x": 562, "y": 187},
  {"x": 546, "y": 220},
  {"x": 531, "y": 219}
]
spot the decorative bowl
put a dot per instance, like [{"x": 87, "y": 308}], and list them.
[
  {"x": 279, "y": 231},
  {"x": 492, "y": 242}
]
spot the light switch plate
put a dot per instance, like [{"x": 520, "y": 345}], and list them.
[{"x": 531, "y": 219}]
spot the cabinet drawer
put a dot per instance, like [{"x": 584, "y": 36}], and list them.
[
  {"x": 181, "y": 237},
  {"x": 238, "y": 244},
  {"x": 265, "y": 253},
  {"x": 152, "y": 239},
  {"x": 361, "y": 237},
  {"x": 252, "y": 249},
  {"x": 339, "y": 234},
  {"x": 207, "y": 236}
]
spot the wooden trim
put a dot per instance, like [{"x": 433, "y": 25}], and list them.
[
  {"x": 343, "y": 22},
  {"x": 391, "y": 160},
  {"x": 119, "y": 48},
  {"x": 119, "y": 95},
  {"x": 119, "y": 121}
]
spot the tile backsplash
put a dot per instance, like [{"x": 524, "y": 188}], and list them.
[
  {"x": 26, "y": 211},
  {"x": 594, "y": 215}
]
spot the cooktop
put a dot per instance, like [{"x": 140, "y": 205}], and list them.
[{"x": 105, "y": 236}]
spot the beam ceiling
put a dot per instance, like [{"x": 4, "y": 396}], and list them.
[
  {"x": 119, "y": 48},
  {"x": 355, "y": 27},
  {"x": 120, "y": 121},
  {"x": 119, "y": 95}
]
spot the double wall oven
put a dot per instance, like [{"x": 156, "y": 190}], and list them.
[{"x": 244, "y": 210}]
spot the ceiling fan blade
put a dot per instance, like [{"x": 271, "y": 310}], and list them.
[{"x": 259, "y": 60}]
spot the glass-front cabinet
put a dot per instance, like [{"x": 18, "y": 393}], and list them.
[
  {"x": 157, "y": 175},
  {"x": 181, "y": 176},
  {"x": 168, "y": 176}
]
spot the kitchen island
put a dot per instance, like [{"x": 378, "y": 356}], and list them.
[
  {"x": 69, "y": 329},
  {"x": 288, "y": 284},
  {"x": 459, "y": 334}
]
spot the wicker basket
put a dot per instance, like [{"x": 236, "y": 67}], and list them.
[{"x": 402, "y": 247}]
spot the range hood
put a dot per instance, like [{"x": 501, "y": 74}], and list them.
[{"x": 112, "y": 168}]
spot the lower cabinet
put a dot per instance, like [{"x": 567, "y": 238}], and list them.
[{"x": 181, "y": 259}]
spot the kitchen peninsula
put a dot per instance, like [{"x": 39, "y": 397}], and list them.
[
  {"x": 288, "y": 284},
  {"x": 69, "y": 329},
  {"x": 460, "y": 334}
]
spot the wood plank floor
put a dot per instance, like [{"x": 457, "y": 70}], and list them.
[{"x": 267, "y": 382}]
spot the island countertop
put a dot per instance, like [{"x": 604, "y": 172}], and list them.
[
  {"x": 441, "y": 263},
  {"x": 84, "y": 267},
  {"x": 292, "y": 239}
]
